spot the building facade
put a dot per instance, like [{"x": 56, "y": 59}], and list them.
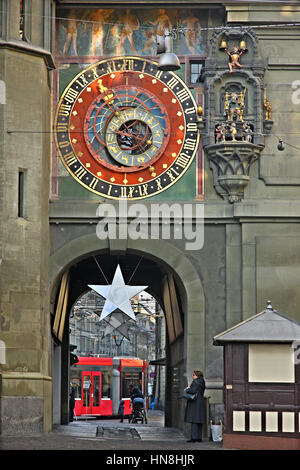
[
  {"x": 100, "y": 149},
  {"x": 95, "y": 338}
]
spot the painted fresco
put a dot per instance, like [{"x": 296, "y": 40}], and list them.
[{"x": 113, "y": 32}]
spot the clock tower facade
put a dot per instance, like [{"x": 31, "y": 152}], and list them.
[{"x": 88, "y": 120}]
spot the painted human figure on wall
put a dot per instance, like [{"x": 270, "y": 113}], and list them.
[
  {"x": 98, "y": 19},
  {"x": 71, "y": 25},
  {"x": 192, "y": 35},
  {"x": 128, "y": 23},
  {"x": 150, "y": 42},
  {"x": 108, "y": 31},
  {"x": 162, "y": 22}
]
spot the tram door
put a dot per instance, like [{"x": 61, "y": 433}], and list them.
[{"x": 91, "y": 389}]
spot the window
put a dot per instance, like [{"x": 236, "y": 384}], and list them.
[
  {"x": 196, "y": 69},
  {"x": 48, "y": 24},
  {"x": 271, "y": 363},
  {"x": 22, "y": 19},
  {"x": 96, "y": 398},
  {"x": 133, "y": 377},
  {"x": 105, "y": 384},
  {"x": 86, "y": 390},
  {"x": 76, "y": 382},
  {"x": 25, "y": 20},
  {"x": 21, "y": 193},
  {"x": 2, "y": 352}
]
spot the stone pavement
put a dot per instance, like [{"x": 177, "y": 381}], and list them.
[{"x": 107, "y": 435}]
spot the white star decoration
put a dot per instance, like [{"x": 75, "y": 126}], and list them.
[{"x": 117, "y": 295}]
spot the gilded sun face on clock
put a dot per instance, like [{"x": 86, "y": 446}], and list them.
[{"x": 125, "y": 129}]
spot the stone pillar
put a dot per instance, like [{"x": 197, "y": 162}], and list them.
[
  {"x": 115, "y": 385},
  {"x": 25, "y": 144}
]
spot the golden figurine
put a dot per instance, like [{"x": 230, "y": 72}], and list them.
[
  {"x": 268, "y": 108},
  {"x": 200, "y": 112},
  {"x": 233, "y": 130},
  {"x": 234, "y": 106}
]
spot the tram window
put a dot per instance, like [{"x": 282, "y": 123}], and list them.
[
  {"x": 96, "y": 390},
  {"x": 105, "y": 384},
  {"x": 76, "y": 384},
  {"x": 86, "y": 391},
  {"x": 127, "y": 380},
  {"x": 141, "y": 381}
]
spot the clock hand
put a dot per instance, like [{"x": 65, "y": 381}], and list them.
[
  {"x": 118, "y": 115},
  {"x": 131, "y": 134},
  {"x": 103, "y": 145},
  {"x": 143, "y": 103}
]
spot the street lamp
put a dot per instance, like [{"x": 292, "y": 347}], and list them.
[
  {"x": 280, "y": 145},
  {"x": 168, "y": 61}
]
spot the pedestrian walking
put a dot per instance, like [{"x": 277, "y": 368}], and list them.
[
  {"x": 71, "y": 403},
  {"x": 121, "y": 410},
  {"x": 195, "y": 411}
]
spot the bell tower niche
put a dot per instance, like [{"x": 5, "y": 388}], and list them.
[{"x": 237, "y": 113}]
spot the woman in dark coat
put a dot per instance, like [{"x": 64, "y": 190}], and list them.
[{"x": 195, "y": 411}]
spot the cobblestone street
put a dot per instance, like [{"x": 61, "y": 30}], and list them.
[{"x": 109, "y": 434}]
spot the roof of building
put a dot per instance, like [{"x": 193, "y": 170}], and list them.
[{"x": 268, "y": 326}]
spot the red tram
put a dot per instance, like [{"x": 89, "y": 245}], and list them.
[{"x": 101, "y": 382}]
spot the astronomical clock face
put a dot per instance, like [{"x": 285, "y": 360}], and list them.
[{"x": 124, "y": 129}]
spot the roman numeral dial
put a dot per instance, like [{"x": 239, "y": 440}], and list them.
[{"x": 125, "y": 129}]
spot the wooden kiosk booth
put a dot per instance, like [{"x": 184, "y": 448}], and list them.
[{"x": 262, "y": 382}]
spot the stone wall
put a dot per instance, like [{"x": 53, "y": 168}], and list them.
[{"x": 26, "y": 395}]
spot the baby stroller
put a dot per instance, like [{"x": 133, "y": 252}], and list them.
[{"x": 138, "y": 411}]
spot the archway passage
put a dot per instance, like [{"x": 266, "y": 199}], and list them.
[
  {"x": 163, "y": 284},
  {"x": 115, "y": 357},
  {"x": 100, "y": 269}
]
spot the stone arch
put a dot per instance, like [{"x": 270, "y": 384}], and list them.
[
  {"x": 189, "y": 351},
  {"x": 172, "y": 256}
]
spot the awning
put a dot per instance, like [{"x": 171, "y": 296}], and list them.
[{"x": 158, "y": 362}]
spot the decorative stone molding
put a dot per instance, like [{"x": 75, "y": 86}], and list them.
[
  {"x": 237, "y": 113},
  {"x": 230, "y": 163}
]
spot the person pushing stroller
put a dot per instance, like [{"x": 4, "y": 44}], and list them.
[{"x": 138, "y": 404}]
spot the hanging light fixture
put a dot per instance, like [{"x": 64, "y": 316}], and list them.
[{"x": 168, "y": 61}]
